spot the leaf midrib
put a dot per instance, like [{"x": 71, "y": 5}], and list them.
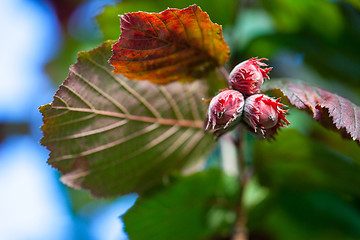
[{"x": 162, "y": 121}]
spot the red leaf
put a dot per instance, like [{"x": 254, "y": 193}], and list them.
[
  {"x": 325, "y": 106},
  {"x": 169, "y": 46}
]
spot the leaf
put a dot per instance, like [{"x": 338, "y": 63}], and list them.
[
  {"x": 115, "y": 136},
  {"x": 221, "y": 12},
  {"x": 344, "y": 114},
  {"x": 194, "y": 207},
  {"x": 174, "y": 45}
]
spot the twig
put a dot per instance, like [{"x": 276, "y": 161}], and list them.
[{"x": 240, "y": 230}]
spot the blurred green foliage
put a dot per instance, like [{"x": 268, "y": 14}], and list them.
[
  {"x": 307, "y": 165},
  {"x": 307, "y": 181},
  {"x": 320, "y": 215},
  {"x": 325, "y": 33},
  {"x": 314, "y": 190}
]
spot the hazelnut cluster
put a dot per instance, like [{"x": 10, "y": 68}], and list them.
[{"x": 244, "y": 103}]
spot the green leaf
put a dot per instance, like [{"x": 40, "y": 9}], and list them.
[
  {"x": 114, "y": 136},
  {"x": 297, "y": 162},
  {"x": 194, "y": 207}
]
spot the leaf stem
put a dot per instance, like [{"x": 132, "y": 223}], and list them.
[
  {"x": 240, "y": 229},
  {"x": 224, "y": 73}
]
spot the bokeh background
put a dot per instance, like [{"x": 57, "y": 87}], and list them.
[
  {"x": 316, "y": 41},
  {"x": 33, "y": 202}
]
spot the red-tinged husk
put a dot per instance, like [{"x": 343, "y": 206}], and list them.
[
  {"x": 224, "y": 111},
  {"x": 248, "y": 76},
  {"x": 265, "y": 114}
]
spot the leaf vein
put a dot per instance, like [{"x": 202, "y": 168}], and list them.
[
  {"x": 129, "y": 89},
  {"x": 61, "y": 100},
  {"x": 171, "y": 102},
  {"x": 183, "y": 25},
  {"x": 181, "y": 140},
  {"x": 197, "y": 59},
  {"x": 153, "y": 59},
  {"x": 62, "y": 123},
  {"x": 91, "y": 132},
  {"x": 193, "y": 107},
  {"x": 162, "y": 121},
  {"x": 339, "y": 125},
  {"x": 79, "y": 97},
  {"x": 165, "y": 135},
  {"x": 157, "y": 34},
  {"x": 197, "y": 21},
  {"x": 140, "y": 30},
  {"x": 192, "y": 144},
  {"x": 164, "y": 25},
  {"x": 356, "y": 130},
  {"x": 102, "y": 93},
  {"x": 112, "y": 144},
  {"x": 143, "y": 50}
]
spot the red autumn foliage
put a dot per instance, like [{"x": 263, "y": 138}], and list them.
[{"x": 173, "y": 45}]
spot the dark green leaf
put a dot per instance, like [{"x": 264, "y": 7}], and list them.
[
  {"x": 294, "y": 215},
  {"x": 194, "y": 207}
]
